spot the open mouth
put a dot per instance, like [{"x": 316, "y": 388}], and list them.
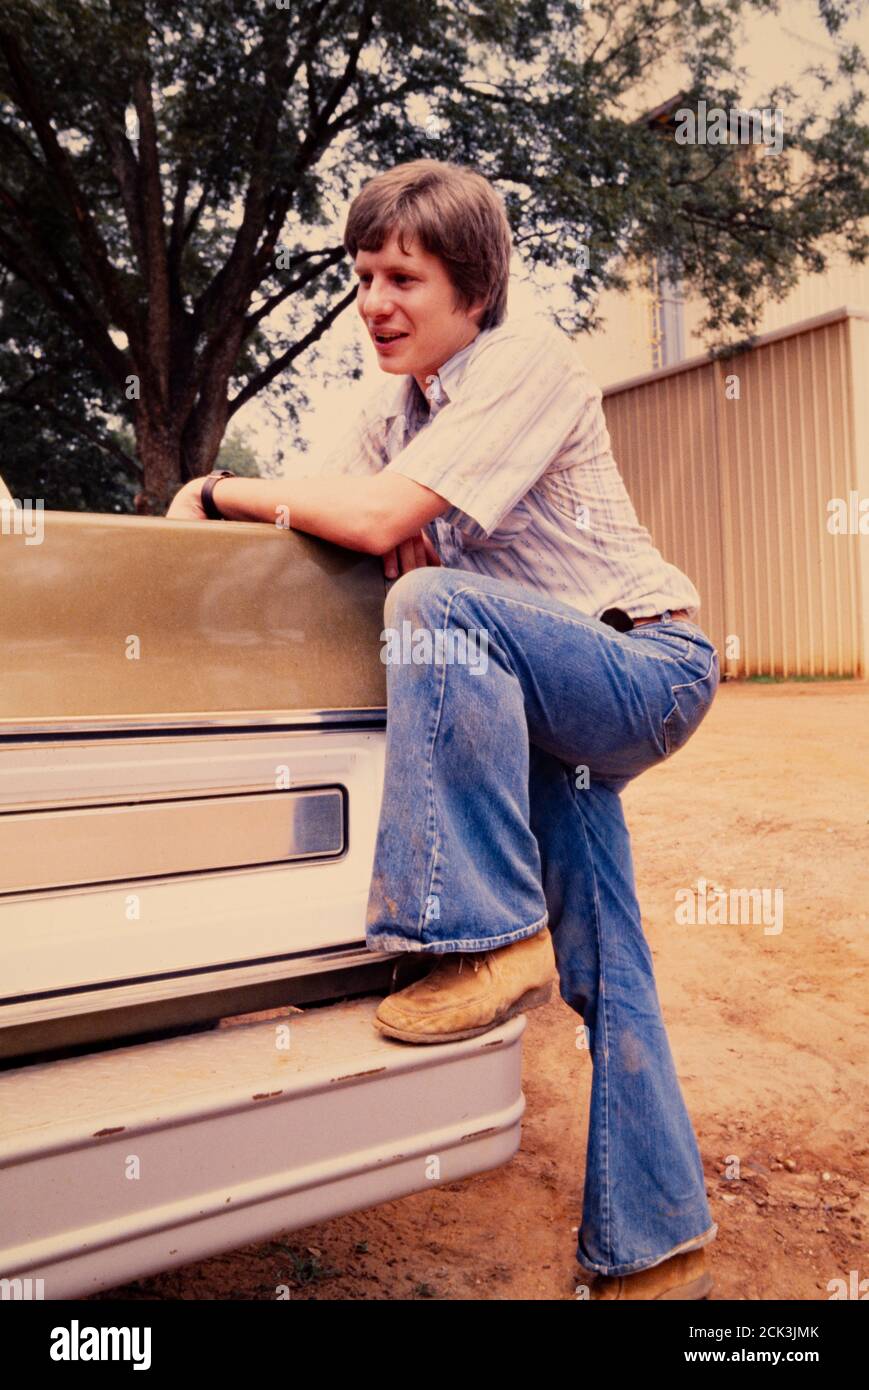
[{"x": 387, "y": 337}]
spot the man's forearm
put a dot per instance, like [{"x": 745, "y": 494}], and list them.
[{"x": 337, "y": 508}]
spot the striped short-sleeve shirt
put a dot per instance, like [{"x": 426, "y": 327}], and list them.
[{"x": 512, "y": 433}]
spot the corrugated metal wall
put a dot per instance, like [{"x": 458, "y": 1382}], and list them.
[
  {"x": 859, "y": 329},
  {"x": 731, "y": 465}
]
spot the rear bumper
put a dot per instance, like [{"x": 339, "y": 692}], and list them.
[{"x": 119, "y": 1165}]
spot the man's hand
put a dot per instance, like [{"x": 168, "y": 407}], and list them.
[
  {"x": 186, "y": 504},
  {"x": 413, "y": 554}
]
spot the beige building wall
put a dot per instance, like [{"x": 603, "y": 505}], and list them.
[
  {"x": 732, "y": 465},
  {"x": 623, "y": 347}
]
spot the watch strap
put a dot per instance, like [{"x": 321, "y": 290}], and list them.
[{"x": 209, "y": 506}]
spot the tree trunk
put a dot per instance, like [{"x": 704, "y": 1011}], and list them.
[{"x": 159, "y": 452}]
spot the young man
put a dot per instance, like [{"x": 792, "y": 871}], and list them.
[{"x": 501, "y": 833}]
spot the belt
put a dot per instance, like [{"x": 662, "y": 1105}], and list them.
[{"x": 623, "y": 622}]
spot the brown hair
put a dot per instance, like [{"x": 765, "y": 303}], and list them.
[{"x": 455, "y": 214}]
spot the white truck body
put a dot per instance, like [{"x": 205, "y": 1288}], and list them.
[{"x": 177, "y": 848}]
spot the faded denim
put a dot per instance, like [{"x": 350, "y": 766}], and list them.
[{"x": 485, "y": 837}]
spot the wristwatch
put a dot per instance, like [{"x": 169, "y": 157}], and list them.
[{"x": 209, "y": 506}]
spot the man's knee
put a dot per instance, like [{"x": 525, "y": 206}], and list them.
[{"x": 416, "y": 593}]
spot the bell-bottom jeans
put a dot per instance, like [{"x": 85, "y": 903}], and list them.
[{"x": 513, "y": 723}]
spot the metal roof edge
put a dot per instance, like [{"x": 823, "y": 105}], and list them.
[{"x": 690, "y": 364}]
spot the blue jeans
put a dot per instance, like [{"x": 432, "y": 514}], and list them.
[{"x": 501, "y": 814}]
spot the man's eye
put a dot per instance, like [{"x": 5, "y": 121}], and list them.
[{"x": 398, "y": 278}]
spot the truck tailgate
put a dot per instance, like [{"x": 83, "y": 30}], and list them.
[{"x": 117, "y": 1165}]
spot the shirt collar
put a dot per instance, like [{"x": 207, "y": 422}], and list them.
[{"x": 398, "y": 394}]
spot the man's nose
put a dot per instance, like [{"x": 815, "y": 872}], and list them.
[{"x": 378, "y": 300}]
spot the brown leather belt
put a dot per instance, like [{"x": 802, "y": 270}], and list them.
[{"x": 674, "y": 613}]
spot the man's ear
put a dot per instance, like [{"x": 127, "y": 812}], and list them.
[{"x": 477, "y": 310}]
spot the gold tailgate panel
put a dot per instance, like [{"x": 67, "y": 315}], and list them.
[{"x": 114, "y": 618}]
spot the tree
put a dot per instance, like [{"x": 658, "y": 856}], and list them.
[
  {"x": 236, "y": 453},
  {"x": 57, "y": 445},
  {"x": 173, "y": 174}
]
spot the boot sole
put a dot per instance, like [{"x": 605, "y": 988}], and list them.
[{"x": 531, "y": 999}]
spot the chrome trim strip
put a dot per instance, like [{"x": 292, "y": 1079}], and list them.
[
  {"x": 312, "y": 825},
  {"x": 90, "y": 998},
  {"x": 370, "y": 716}
]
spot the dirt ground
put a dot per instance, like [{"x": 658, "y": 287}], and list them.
[{"x": 765, "y": 1029}]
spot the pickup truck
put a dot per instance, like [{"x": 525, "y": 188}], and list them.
[{"x": 192, "y": 731}]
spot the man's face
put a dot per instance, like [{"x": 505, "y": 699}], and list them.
[{"x": 412, "y": 296}]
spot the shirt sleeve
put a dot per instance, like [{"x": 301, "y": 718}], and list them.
[{"x": 520, "y": 399}]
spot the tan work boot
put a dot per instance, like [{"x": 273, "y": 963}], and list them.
[
  {"x": 470, "y": 992},
  {"x": 682, "y": 1276}
]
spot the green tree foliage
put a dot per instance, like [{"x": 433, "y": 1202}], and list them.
[
  {"x": 58, "y": 444},
  {"x": 236, "y": 453},
  {"x": 173, "y": 176}
]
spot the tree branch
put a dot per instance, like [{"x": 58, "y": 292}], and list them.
[
  {"x": 68, "y": 303},
  {"x": 318, "y": 136},
  {"x": 126, "y": 176},
  {"x": 231, "y": 285},
  {"x": 158, "y": 325},
  {"x": 332, "y": 258},
  {"x": 280, "y": 364}
]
